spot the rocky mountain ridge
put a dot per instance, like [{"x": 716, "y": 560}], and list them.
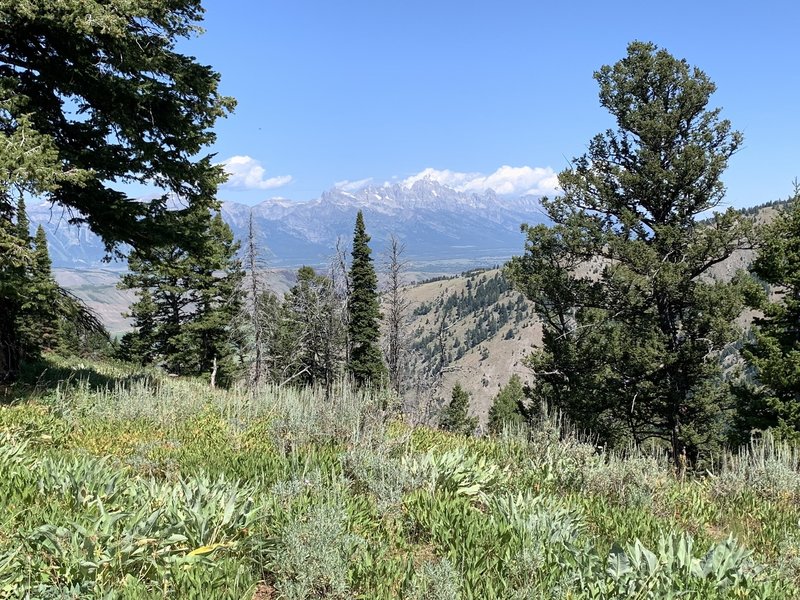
[{"x": 444, "y": 229}]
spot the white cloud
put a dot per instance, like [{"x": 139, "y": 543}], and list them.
[
  {"x": 506, "y": 180},
  {"x": 246, "y": 173},
  {"x": 352, "y": 186}
]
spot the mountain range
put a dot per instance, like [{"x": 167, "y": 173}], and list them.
[{"x": 444, "y": 230}]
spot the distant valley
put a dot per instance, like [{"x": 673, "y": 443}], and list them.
[
  {"x": 445, "y": 231},
  {"x": 465, "y": 325}
]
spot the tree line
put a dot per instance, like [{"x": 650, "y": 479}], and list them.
[
  {"x": 206, "y": 314},
  {"x": 636, "y": 318}
]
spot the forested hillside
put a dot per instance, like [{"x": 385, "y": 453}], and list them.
[{"x": 612, "y": 413}]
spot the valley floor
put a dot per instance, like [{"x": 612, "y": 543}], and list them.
[{"x": 118, "y": 483}]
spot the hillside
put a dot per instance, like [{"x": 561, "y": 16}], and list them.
[
  {"x": 473, "y": 329},
  {"x": 127, "y": 484}
]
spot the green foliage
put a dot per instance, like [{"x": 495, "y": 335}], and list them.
[
  {"x": 311, "y": 559},
  {"x": 101, "y": 97},
  {"x": 38, "y": 315},
  {"x": 508, "y": 407},
  {"x": 366, "y": 361},
  {"x": 282, "y": 491},
  {"x": 307, "y": 343},
  {"x": 137, "y": 111},
  {"x": 38, "y": 322},
  {"x": 487, "y": 305},
  {"x": 773, "y": 399},
  {"x": 454, "y": 417},
  {"x": 633, "y": 318},
  {"x": 186, "y": 303}
]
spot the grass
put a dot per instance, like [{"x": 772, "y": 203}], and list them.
[{"x": 117, "y": 483}]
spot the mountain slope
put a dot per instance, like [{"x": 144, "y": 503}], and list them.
[{"x": 444, "y": 230}]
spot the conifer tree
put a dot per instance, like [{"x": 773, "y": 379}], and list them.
[
  {"x": 312, "y": 326},
  {"x": 36, "y": 306},
  {"x": 39, "y": 321},
  {"x": 454, "y": 417},
  {"x": 508, "y": 407},
  {"x": 366, "y": 364},
  {"x": 15, "y": 263},
  {"x": 216, "y": 278},
  {"x": 23, "y": 223},
  {"x": 96, "y": 93},
  {"x": 773, "y": 399},
  {"x": 633, "y": 320},
  {"x": 186, "y": 303}
]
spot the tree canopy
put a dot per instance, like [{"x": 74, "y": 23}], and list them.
[
  {"x": 94, "y": 95},
  {"x": 633, "y": 318},
  {"x": 773, "y": 398},
  {"x": 366, "y": 362}
]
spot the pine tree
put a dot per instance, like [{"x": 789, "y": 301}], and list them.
[
  {"x": 37, "y": 310},
  {"x": 454, "y": 417},
  {"x": 508, "y": 407},
  {"x": 187, "y": 303},
  {"x": 138, "y": 111},
  {"x": 23, "y": 223},
  {"x": 773, "y": 399},
  {"x": 39, "y": 319},
  {"x": 312, "y": 324},
  {"x": 633, "y": 320},
  {"x": 15, "y": 264},
  {"x": 216, "y": 278},
  {"x": 139, "y": 346},
  {"x": 366, "y": 365}
]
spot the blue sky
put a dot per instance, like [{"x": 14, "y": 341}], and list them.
[{"x": 347, "y": 91}]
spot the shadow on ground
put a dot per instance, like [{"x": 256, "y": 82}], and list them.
[{"x": 51, "y": 372}]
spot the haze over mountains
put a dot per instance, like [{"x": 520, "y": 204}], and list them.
[{"x": 445, "y": 230}]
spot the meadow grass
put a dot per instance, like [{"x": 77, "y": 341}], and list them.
[{"x": 121, "y": 483}]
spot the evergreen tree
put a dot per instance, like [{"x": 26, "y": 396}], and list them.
[
  {"x": 15, "y": 264},
  {"x": 36, "y": 304},
  {"x": 454, "y": 417},
  {"x": 773, "y": 400},
  {"x": 633, "y": 320},
  {"x": 186, "y": 303},
  {"x": 137, "y": 111},
  {"x": 508, "y": 407},
  {"x": 39, "y": 317},
  {"x": 140, "y": 345},
  {"x": 366, "y": 364},
  {"x": 216, "y": 278},
  {"x": 23, "y": 223},
  {"x": 313, "y": 326}
]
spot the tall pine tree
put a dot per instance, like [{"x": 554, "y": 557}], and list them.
[
  {"x": 39, "y": 321},
  {"x": 633, "y": 319},
  {"x": 366, "y": 364},
  {"x": 15, "y": 264}
]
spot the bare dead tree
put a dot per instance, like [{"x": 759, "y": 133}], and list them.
[
  {"x": 255, "y": 288},
  {"x": 396, "y": 316},
  {"x": 339, "y": 273}
]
